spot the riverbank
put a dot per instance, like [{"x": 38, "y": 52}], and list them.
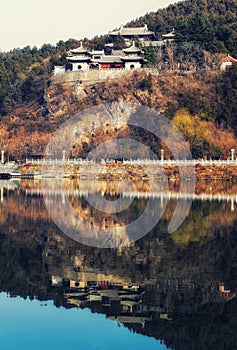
[{"x": 119, "y": 171}]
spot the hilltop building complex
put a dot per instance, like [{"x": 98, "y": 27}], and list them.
[
  {"x": 81, "y": 59},
  {"x": 97, "y": 62},
  {"x": 131, "y": 57}
]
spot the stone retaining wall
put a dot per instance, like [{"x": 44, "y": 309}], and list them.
[
  {"x": 93, "y": 76},
  {"x": 118, "y": 171}
]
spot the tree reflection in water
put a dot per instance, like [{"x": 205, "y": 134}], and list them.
[{"x": 179, "y": 288}]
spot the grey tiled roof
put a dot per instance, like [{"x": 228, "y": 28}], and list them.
[
  {"x": 78, "y": 58},
  {"x": 135, "y": 31},
  {"x": 110, "y": 59},
  {"x": 79, "y": 50},
  {"x": 132, "y": 58},
  {"x": 154, "y": 43},
  {"x": 132, "y": 48},
  {"x": 97, "y": 52},
  {"x": 117, "y": 52}
]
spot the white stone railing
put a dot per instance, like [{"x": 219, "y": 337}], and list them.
[{"x": 176, "y": 162}]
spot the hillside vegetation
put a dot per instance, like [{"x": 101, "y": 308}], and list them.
[
  {"x": 194, "y": 102},
  {"x": 211, "y": 23}
]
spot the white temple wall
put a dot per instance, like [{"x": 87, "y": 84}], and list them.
[
  {"x": 80, "y": 66},
  {"x": 225, "y": 65},
  {"x": 132, "y": 65}
]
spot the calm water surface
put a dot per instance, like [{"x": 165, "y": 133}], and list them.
[{"x": 165, "y": 291}]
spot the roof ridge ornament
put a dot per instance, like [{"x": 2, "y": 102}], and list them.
[{"x": 120, "y": 29}]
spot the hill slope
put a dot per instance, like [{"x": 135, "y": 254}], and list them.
[{"x": 193, "y": 100}]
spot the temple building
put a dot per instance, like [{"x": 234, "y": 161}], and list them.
[
  {"x": 227, "y": 62},
  {"x": 78, "y": 59},
  {"x": 143, "y": 34},
  {"x": 112, "y": 61},
  {"x": 132, "y": 57},
  {"x": 81, "y": 59}
]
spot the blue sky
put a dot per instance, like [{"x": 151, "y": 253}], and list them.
[
  {"x": 27, "y": 325},
  {"x": 31, "y": 22}
]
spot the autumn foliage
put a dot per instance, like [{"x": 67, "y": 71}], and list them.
[{"x": 204, "y": 138}]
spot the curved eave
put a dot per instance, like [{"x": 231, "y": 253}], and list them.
[
  {"x": 229, "y": 60},
  {"x": 94, "y": 53},
  {"x": 114, "y": 33},
  {"x": 108, "y": 62},
  {"x": 78, "y": 59},
  {"x": 132, "y": 51},
  {"x": 139, "y": 35},
  {"x": 79, "y": 51},
  {"x": 167, "y": 36},
  {"x": 133, "y": 59},
  {"x": 133, "y": 34}
]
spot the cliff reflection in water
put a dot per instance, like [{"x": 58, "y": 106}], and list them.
[{"x": 177, "y": 287}]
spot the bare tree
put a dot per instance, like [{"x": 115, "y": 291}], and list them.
[
  {"x": 189, "y": 56},
  {"x": 170, "y": 51}
]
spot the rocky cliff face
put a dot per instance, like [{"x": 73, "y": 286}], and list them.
[{"x": 28, "y": 128}]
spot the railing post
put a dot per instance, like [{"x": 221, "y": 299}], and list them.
[
  {"x": 232, "y": 154},
  {"x": 162, "y": 153}
]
